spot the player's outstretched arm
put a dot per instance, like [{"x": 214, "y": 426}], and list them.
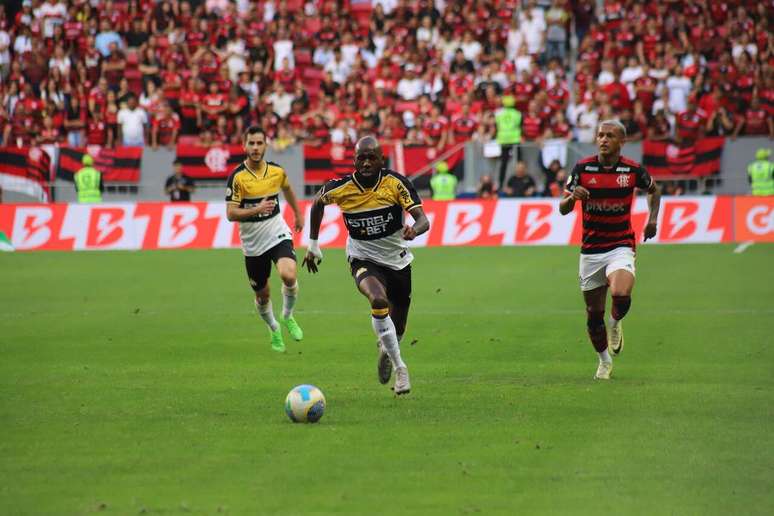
[
  {"x": 654, "y": 203},
  {"x": 298, "y": 215},
  {"x": 313, "y": 256},
  {"x": 421, "y": 224}
]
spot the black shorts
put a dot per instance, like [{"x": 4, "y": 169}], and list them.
[
  {"x": 259, "y": 267},
  {"x": 396, "y": 283}
]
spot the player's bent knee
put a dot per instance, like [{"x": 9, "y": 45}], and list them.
[
  {"x": 380, "y": 303},
  {"x": 288, "y": 278}
]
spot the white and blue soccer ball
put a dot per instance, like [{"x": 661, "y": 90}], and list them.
[{"x": 305, "y": 404}]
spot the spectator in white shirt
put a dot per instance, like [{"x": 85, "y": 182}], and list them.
[
  {"x": 427, "y": 33},
  {"x": 607, "y": 74},
  {"x": 236, "y": 57},
  {"x": 131, "y": 124},
  {"x": 343, "y": 133},
  {"x": 60, "y": 61},
  {"x": 322, "y": 54},
  {"x": 23, "y": 42},
  {"x": 587, "y": 120},
  {"x": 410, "y": 87},
  {"x": 678, "y": 87},
  {"x": 470, "y": 47},
  {"x": 283, "y": 48},
  {"x": 387, "y": 5},
  {"x": 51, "y": 13},
  {"x": 281, "y": 101},
  {"x": 631, "y": 73},
  {"x": 534, "y": 30},
  {"x": 515, "y": 39},
  {"x": 337, "y": 67},
  {"x": 5, "y": 53},
  {"x": 349, "y": 49}
]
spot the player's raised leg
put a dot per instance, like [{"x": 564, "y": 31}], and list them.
[
  {"x": 399, "y": 296},
  {"x": 621, "y": 285},
  {"x": 287, "y": 271},
  {"x": 385, "y": 329},
  {"x": 595, "y": 322}
]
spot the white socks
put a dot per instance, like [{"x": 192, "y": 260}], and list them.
[
  {"x": 614, "y": 322},
  {"x": 267, "y": 314},
  {"x": 289, "y": 295},
  {"x": 385, "y": 331},
  {"x": 605, "y": 356}
]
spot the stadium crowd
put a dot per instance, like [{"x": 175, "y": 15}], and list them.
[{"x": 140, "y": 72}]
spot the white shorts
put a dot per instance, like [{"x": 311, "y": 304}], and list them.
[{"x": 595, "y": 268}]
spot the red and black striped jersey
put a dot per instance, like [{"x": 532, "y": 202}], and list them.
[{"x": 607, "y": 214}]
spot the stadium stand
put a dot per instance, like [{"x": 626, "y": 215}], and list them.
[{"x": 325, "y": 69}]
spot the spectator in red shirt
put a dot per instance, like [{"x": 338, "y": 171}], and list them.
[
  {"x": 755, "y": 121},
  {"x": 690, "y": 123},
  {"x": 98, "y": 96},
  {"x": 464, "y": 124},
  {"x": 532, "y": 123},
  {"x": 645, "y": 88},
  {"x": 49, "y": 135},
  {"x": 97, "y": 131},
  {"x": 436, "y": 129},
  {"x": 165, "y": 128},
  {"x": 214, "y": 103},
  {"x": 190, "y": 106},
  {"x": 618, "y": 93}
]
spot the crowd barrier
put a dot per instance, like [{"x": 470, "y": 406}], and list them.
[{"x": 203, "y": 225}]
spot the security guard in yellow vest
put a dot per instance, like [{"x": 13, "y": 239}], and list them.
[
  {"x": 761, "y": 172},
  {"x": 443, "y": 184},
  {"x": 508, "y": 121},
  {"x": 88, "y": 182}
]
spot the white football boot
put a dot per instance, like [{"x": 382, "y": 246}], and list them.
[
  {"x": 604, "y": 370},
  {"x": 615, "y": 339},
  {"x": 402, "y": 382}
]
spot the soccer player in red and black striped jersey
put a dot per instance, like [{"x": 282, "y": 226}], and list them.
[{"x": 605, "y": 184}]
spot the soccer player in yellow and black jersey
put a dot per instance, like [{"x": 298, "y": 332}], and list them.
[
  {"x": 252, "y": 196},
  {"x": 373, "y": 200}
]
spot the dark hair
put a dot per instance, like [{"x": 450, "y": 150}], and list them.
[{"x": 254, "y": 129}]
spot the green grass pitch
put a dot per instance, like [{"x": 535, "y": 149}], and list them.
[{"x": 143, "y": 383}]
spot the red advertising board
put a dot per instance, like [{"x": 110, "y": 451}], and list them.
[{"x": 204, "y": 225}]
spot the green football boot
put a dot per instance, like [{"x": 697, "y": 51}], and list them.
[
  {"x": 277, "y": 343},
  {"x": 293, "y": 328}
]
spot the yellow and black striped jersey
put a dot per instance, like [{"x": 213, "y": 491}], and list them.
[
  {"x": 374, "y": 216},
  {"x": 247, "y": 188}
]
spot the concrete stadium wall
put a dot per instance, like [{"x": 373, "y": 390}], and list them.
[
  {"x": 737, "y": 154},
  {"x": 157, "y": 166}
]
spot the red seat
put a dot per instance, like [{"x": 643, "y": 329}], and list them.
[
  {"x": 132, "y": 59},
  {"x": 303, "y": 57},
  {"x": 402, "y": 106},
  {"x": 312, "y": 74},
  {"x": 134, "y": 77}
]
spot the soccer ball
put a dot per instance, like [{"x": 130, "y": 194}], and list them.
[{"x": 305, "y": 404}]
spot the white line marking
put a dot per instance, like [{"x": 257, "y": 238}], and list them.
[
  {"x": 743, "y": 247},
  {"x": 524, "y": 312}
]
